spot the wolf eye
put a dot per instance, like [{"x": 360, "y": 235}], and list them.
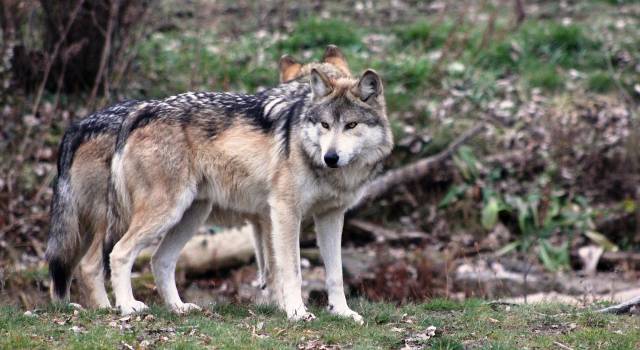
[
  {"x": 351, "y": 125},
  {"x": 325, "y": 125}
]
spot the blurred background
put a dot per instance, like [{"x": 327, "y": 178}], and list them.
[{"x": 543, "y": 202}]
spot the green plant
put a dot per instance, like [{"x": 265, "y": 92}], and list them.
[{"x": 539, "y": 214}]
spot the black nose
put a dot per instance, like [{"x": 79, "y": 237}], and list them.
[{"x": 331, "y": 159}]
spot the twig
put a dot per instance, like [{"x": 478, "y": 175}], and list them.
[
  {"x": 562, "y": 346},
  {"x": 50, "y": 61},
  {"x": 54, "y": 55},
  {"x": 518, "y": 8},
  {"x": 113, "y": 13},
  {"x": 418, "y": 169},
  {"x": 623, "y": 307},
  {"x": 616, "y": 257}
]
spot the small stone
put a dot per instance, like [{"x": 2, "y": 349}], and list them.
[
  {"x": 77, "y": 329},
  {"x": 76, "y": 306}
]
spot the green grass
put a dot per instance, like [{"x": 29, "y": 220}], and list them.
[
  {"x": 540, "y": 53},
  {"x": 314, "y": 33},
  {"x": 459, "y": 325}
]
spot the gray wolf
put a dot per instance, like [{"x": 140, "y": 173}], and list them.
[
  {"x": 301, "y": 149},
  {"x": 78, "y": 209}
]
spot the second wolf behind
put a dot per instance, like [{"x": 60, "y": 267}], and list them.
[{"x": 298, "y": 150}]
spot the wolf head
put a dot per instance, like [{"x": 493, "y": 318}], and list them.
[{"x": 346, "y": 123}]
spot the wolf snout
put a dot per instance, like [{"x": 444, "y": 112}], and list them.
[{"x": 331, "y": 159}]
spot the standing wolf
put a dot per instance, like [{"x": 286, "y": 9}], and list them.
[
  {"x": 302, "y": 149},
  {"x": 78, "y": 208}
]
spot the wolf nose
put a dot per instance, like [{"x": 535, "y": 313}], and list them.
[{"x": 331, "y": 159}]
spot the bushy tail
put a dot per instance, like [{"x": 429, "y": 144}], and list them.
[{"x": 64, "y": 244}]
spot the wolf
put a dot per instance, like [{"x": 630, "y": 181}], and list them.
[
  {"x": 78, "y": 210},
  {"x": 304, "y": 149}
]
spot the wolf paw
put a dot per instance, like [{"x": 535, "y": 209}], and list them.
[
  {"x": 347, "y": 313},
  {"x": 133, "y": 307},
  {"x": 184, "y": 308},
  {"x": 300, "y": 314}
]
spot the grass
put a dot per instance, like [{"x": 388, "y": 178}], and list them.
[{"x": 470, "y": 324}]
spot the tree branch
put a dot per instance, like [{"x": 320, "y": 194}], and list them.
[
  {"x": 623, "y": 307},
  {"x": 418, "y": 169}
]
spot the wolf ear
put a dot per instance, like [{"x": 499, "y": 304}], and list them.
[
  {"x": 369, "y": 86},
  {"x": 289, "y": 68},
  {"x": 320, "y": 84},
  {"x": 334, "y": 56}
]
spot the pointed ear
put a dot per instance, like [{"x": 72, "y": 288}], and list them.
[
  {"x": 320, "y": 84},
  {"x": 369, "y": 86},
  {"x": 289, "y": 68},
  {"x": 334, "y": 56}
]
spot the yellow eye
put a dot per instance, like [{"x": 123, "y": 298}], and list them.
[
  {"x": 325, "y": 125},
  {"x": 351, "y": 125}
]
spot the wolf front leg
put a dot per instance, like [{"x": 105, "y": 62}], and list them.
[
  {"x": 329, "y": 236},
  {"x": 285, "y": 223}
]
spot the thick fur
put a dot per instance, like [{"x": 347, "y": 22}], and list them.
[
  {"x": 302, "y": 149},
  {"x": 79, "y": 210}
]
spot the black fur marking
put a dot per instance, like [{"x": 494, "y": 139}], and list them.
[
  {"x": 107, "y": 247},
  {"x": 255, "y": 114},
  {"x": 144, "y": 117},
  {"x": 60, "y": 273},
  {"x": 291, "y": 119}
]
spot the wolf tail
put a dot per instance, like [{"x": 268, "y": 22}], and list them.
[{"x": 64, "y": 243}]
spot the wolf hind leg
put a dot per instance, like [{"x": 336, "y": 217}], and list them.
[
  {"x": 264, "y": 260},
  {"x": 147, "y": 227},
  {"x": 91, "y": 275},
  {"x": 163, "y": 262}
]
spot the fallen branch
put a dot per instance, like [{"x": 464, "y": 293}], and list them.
[
  {"x": 623, "y": 307},
  {"x": 205, "y": 252},
  {"x": 417, "y": 170},
  {"x": 615, "y": 257},
  {"x": 383, "y": 234}
]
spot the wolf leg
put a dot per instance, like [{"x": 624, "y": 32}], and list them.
[
  {"x": 258, "y": 245},
  {"x": 285, "y": 222},
  {"x": 163, "y": 262},
  {"x": 147, "y": 226},
  {"x": 91, "y": 273},
  {"x": 329, "y": 235},
  {"x": 264, "y": 259}
]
